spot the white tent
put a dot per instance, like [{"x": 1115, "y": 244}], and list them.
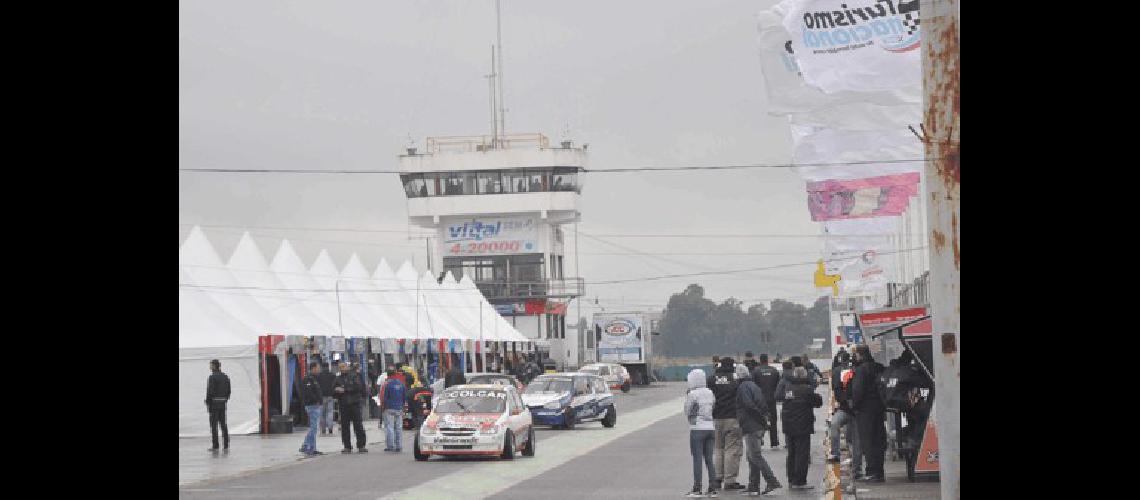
[
  {"x": 224, "y": 307},
  {"x": 251, "y": 270}
]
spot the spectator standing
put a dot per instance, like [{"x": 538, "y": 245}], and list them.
[
  {"x": 727, "y": 443},
  {"x": 312, "y": 398},
  {"x": 869, "y": 413},
  {"x": 217, "y": 395},
  {"x": 349, "y": 388},
  {"x": 393, "y": 396},
  {"x": 752, "y": 413},
  {"x": 767, "y": 378},
  {"x": 699, "y": 402},
  {"x": 799, "y": 423}
]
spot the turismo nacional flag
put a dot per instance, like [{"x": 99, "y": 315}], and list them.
[
  {"x": 788, "y": 93},
  {"x": 856, "y": 45}
]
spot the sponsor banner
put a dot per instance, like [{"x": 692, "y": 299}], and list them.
[
  {"x": 619, "y": 333},
  {"x": 510, "y": 309},
  {"x": 337, "y": 344},
  {"x": 558, "y": 308},
  {"x": 861, "y": 198},
  {"x": 490, "y": 236},
  {"x": 891, "y": 317},
  {"x": 535, "y": 306},
  {"x": 788, "y": 93},
  {"x": 856, "y": 45}
]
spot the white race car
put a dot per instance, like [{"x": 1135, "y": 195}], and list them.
[
  {"x": 476, "y": 419},
  {"x": 615, "y": 375}
]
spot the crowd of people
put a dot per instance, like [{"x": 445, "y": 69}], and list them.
[
  {"x": 325, "y": 394},
  {"x": 731, "y": 411},
  {"x": 866, "y": 394}
]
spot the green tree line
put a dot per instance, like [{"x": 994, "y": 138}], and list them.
[{"x": 696, "y": 326}]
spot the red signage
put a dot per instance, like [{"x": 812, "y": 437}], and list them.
[
  {"x": 535, "y": 306},
  {"x": 927, "y": 460},
  {"x": 883, "y": 318},
  {"x": 923, "y": 328}
]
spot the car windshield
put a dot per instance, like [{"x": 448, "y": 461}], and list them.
[
  {"x": 548, "y": 386},
  {"x": 490, "y": 379},
  {"x": 471, "y": 401}
]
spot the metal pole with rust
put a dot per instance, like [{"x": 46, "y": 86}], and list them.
[{"x": 941, "y": 100}]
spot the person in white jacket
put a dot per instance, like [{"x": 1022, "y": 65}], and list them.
[{"x": 698, "y": 408}]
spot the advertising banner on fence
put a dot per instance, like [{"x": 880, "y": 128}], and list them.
[
  {"x": 490, "y": 236},
  {"x": 856, "y": 45},
  {"x": 861, "y": 198}
]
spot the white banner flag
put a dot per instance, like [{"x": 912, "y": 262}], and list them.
[
  {"x": 861, "y": 252},
  {"x": 813, "y": 144},
  {"x": 856, "y": 45},
  {"x": 787, "y": 92}
]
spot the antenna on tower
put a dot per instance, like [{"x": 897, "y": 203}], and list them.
[
  {"x": 502, "y": 129},
  {"x": 491, "y": 83}
]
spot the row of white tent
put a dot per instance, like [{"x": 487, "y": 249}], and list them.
[{"x": 223, "y": 307}]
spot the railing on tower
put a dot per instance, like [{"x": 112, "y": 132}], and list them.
[
  {"x": 564, "y": 287},
  {"x": 474, "y": 143}
]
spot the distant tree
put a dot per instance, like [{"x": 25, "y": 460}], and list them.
[{"x": 696, "y": 326}]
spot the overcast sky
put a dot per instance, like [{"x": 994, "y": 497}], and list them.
[{"x": 342, "y": 84}]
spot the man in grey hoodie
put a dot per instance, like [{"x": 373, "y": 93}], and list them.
[
  {"x": 698, "y": 408},
  {"x": 752, "y": 412}
]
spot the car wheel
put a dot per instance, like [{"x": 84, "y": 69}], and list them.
[
  {"x": 528, "y": 450},
  {"x": 508, "y": 446},
  {"x": 420, "y": 457},
  {"x": 625, "y": 386},
  {"x": 610, "y": 419},
  {"x": 570, "y": 416}
]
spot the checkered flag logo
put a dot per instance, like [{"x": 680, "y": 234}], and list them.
[
  {"x": 909, "y": 10},
  {"x": 911, "y": 24}
]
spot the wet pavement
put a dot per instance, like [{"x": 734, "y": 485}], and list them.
[{"x": 645, "y": 456}]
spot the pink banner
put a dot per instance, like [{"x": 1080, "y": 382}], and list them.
[{"x": 861, "y": 198}]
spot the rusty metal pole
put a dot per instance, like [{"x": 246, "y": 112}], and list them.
[{"x": 941, "y": 99}]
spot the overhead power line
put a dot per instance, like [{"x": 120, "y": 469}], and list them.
[{"x": 586, "y": 171}]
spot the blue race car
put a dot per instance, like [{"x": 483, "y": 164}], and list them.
[{"x": 562, "y": 400}]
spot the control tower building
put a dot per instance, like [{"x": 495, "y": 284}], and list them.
[{"x": 498, "y": 207}]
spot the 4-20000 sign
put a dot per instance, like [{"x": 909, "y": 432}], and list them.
[{"x": 484, "y": 247}]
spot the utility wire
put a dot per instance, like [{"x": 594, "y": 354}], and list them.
[{"x": 583, "y": 170}]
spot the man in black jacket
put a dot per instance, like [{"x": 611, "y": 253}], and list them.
[
  {"x": 768, "y": 377},
  {"x": 217, "y": 395},
  {"x": 751, "y": 413},
  {"x": 726, "y": 439},
  {"x": 349, "y": 389},
  {"x": 869, "y": 412},
  {"x": 311, "y": 397},
  {"x": 799, "y": 423},
  {"x": 326, "y": 378}
]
